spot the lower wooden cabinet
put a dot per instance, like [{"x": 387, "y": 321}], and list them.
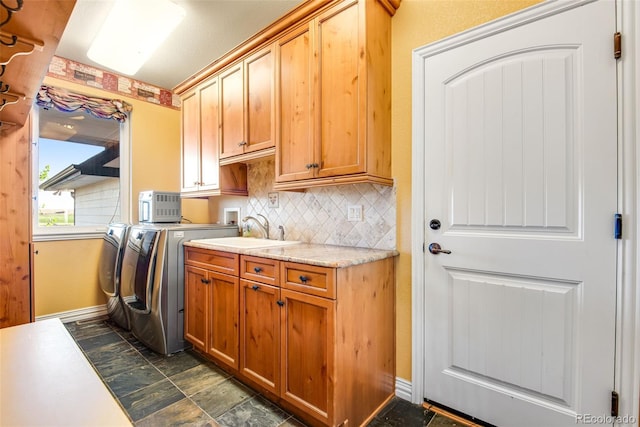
[
  {"x": 308, "y": 357},
  {"x": 211, "y": 313},
  {"x": 260, "y": 334},
  {"x": 319, "y": 341}
]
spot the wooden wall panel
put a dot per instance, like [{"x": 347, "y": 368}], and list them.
[{"x": 15, "y": 225}]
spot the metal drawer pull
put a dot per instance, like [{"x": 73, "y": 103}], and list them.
[
  {"x": 255, "y": 287},
  {"x": 205, "y": 281},
  {"x": 304, "y": 279},
  {"x": 257, "y": 269},
  {"x": 280, "y": 303}
]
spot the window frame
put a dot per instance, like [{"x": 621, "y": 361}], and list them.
[{"x": 41, "y": 234}]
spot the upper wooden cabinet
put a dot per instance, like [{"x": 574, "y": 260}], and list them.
[
  {"x": 37, "y": 28},
  {"x": 200, "y": 138},
  {"x": 315, "y": 89},
  {"x": 334, "y": 98},
  {"x": 201, "y": 173},
  {"x": 247, "y": 105}
]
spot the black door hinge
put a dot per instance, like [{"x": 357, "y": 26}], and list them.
[
  {"x": 617, "y": 226},
  {"x": 615, "y": 400},
  {"x": 617, "y": 45}
]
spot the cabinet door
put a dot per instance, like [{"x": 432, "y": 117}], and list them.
[
  {"x": 260, "y": 334},
  {"x": 259, "y": 82},
  {"x": 196, "y": 300},
  {"x": 209, "y": 136},
  {"x": 232, "y": 112},
  {"x": 223, "y": 318},
  {"x": 295, "y": 126},
  {"x": 190, "y": 142},
  {"x": 342, "y": 93},
  {"x": 308, "y": 367}
]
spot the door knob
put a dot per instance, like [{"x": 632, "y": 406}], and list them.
[{"x": 436, "y": 249}]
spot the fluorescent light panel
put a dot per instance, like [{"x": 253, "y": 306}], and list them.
[{"x": 132, "y": 31}]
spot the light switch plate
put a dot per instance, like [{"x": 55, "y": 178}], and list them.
[{"x": 354, "y": 213}]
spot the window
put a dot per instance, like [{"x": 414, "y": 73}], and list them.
[{"x": 80, "y": 182}]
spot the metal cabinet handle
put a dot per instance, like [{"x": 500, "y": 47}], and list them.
[
  {"x": 255, "y": 287},
  {"x": 242, "y": 144},
  {"x": 303, "y": 279},
  {"x": 257, "y": 269},
  {"x": 205, "y": 281},
  {"x": 436, "y": 249},
  {"x": 280, "y": 303}
]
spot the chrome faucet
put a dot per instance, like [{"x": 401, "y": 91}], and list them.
[{"x": 264, "y": 227}]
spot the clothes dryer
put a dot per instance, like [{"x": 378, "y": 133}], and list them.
[
  {"x": 109, "y": 269},
  {"x": 153, "y": 270}
]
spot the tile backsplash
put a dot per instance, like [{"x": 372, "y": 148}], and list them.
[{"x": 319, "y": 215}]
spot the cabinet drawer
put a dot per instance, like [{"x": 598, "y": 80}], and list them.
[
  {"x": 220, "y": 261},
  {"x": 263, "y": 270},
  {"x": 310, "y": 279}
]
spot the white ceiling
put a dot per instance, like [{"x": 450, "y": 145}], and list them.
[{"x": 210, "y": 29}]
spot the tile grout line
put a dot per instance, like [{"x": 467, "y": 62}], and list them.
[
  {"x": 228, "y": 377},
  {"x": 165, "y": 376},
  {"x": 123, "y": 339}
]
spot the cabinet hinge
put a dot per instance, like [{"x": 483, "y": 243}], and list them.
[
  {"x": 617, "y": 45},
  {"x": 615, "y": 399},
  {"x": 617, "y": 226}
]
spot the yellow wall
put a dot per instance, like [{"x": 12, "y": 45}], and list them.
[
  {"x": 417, "y": 23},
  {"x": 65, "y": 275}
]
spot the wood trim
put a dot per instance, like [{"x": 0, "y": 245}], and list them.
[
  {"x": 391, "y": 6},
  {"x": 268, "y": 34},
  {"x": 296, "y": 16},
  {"x": 40, "y": 24},
  {"x": 338, "y": 180},
  {"x": 16, "y": 286},
  {"x": 249, "y": 157}
]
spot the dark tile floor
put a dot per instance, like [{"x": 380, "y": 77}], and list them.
[{"x": 186, "y": 389}]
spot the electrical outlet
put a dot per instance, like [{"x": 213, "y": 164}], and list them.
[
  {"x": 274, "y": 200},
  {"x": 354, "y": 213}
]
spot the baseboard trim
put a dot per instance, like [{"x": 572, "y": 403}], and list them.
[
  {"x": 75, "y": 315},
  {"x": 403, "y": 389}
]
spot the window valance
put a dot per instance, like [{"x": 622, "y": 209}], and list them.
[{"x": 102, "y": 108}]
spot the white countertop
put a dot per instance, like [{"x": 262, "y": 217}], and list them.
[
  {"x": 45, "y": 380},
  {"x": 308, "y": 253}
]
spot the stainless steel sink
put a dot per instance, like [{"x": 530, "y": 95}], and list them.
[{"x": 245, "y": 242}]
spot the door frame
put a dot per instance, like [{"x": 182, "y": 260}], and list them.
[{"x": 627, "y": 363}]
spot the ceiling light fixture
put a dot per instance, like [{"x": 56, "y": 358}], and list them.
[{"x": 133, "y": 30}]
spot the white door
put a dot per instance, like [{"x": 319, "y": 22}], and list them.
[{"x": 520, "y": 170}]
